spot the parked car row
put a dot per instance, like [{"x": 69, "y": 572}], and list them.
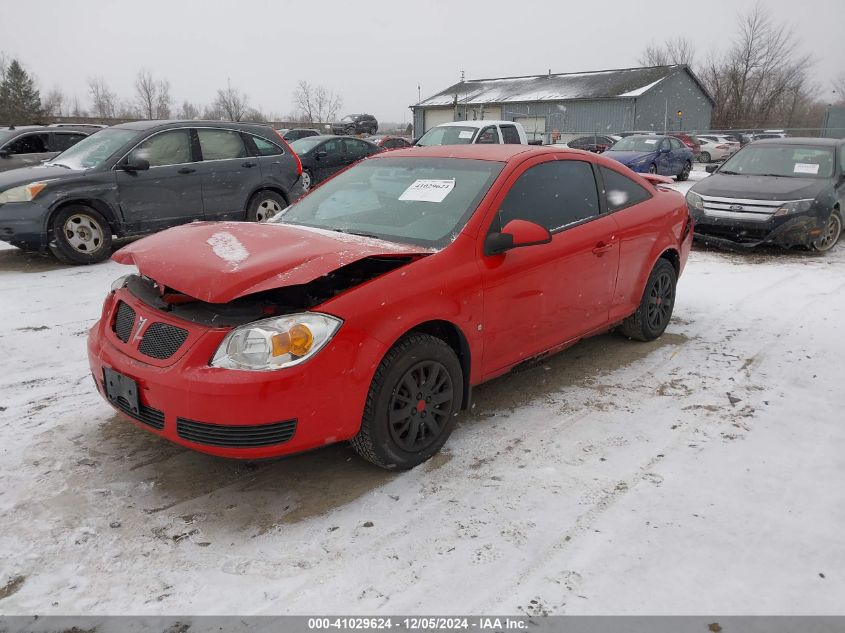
[{"x": 139, "y": 178}]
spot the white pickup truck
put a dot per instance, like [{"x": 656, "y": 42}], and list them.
[{"x": 468, "y": 132}]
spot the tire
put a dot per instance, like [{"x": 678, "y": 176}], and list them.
[
  {"x": 832, "y": 233},
  {"x": 265, "y": 205},
  {"x": 652, "y": 169},
  {"x": 307, "y": 180},
  {"x": 685, "y": 173},
  {"x": 80, "y": 235},
  {"x": 351, "y": 131},
  {"x": 655, "y": 309},
  {"x": 704, "y": 157},
  {"x": 413, "y": 364}
]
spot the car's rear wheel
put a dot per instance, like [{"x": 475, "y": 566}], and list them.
[
  {"x": 704, "y": 157},
  {"x": 685, "y": 171},
  {"x": 831, "y": 233},
  {"x": 655, "y": 309},
  {"x": 80, "y": 235},
  {"x": 410, "y": 409},
  {"x": 264, "y": 206},
  {"x": 307, "y": 180}
]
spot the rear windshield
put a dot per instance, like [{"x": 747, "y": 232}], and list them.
[
  {"x": 448, "y": 135},
  {"x": 423, "y": 201},
  {"x": 787, "y": 161},
  {"x": 305, "y": 144}
]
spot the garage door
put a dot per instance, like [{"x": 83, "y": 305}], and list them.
[
  {"x": 535, "y": 127},
  {"x": 437, "y": 116}
]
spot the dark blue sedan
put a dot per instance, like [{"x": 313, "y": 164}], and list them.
[{"x": 664, "y": 155}]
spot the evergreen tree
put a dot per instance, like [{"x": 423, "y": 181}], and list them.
[{"x": 20, "y": 101}]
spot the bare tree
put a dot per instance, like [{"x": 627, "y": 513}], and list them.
[
  {"x": 763, "y": 67},
  {"x": 152, "y": 96},
  {"x": 232, "y": 104},
  {"x": 77, "y": 110},
  {"x": 675, "y": 51},
  {"x": 53, "y": 102},
  {"x": 315, "y": 103},
  {"x": 188, "y": 111},
  {"x": 839, "y": 88},
  {"x": 103, "y": 100},
  {"x": 4, "y": 64}
]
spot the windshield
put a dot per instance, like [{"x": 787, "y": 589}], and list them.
[
  {"x": 448, "y": 135},
  {"x": 92, "y": 152},
  {"x": 423, "y": 201},
  {"x": 795, "y": 161},
  {"x": 636, "y": 144},
  {"x": 305, "y": 144}
]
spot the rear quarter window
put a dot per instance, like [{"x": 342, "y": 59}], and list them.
[
  {"x": 620, "y": 191},
  {"x": 510, "y": 135}
]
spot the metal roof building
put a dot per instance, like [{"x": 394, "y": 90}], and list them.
[{"x": 604, "y": 101}]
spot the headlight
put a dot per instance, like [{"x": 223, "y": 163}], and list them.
[
  {"x": 795, "y": 206},
  {"x": 24, "y": 193},
  {"x": 118, "y": 283},
  {"x": 276, "y": 343},
  {"x": 694, "y": 201}
]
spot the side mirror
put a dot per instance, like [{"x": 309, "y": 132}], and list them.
[
  {"x": 515, "y": 234},
  {"x": 711, "y": 168},
  {"x": 135, "y": 164}
]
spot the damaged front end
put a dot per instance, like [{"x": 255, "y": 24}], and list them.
[{"x": 794, "y": 232}]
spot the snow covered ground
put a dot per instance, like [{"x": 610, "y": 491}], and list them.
[{"x": 700, "y": 473}]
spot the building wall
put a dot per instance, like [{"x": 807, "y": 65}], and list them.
[
  {"x": 576, "y": 117},
  {"x": 678, "y": 92}
]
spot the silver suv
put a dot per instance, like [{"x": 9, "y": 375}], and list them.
[{"x": 28, "y": 145}]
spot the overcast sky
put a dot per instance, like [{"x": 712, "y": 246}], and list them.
[{"x": 374, "y": 54}]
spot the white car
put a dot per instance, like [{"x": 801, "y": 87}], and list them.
[
  {"x": 716, "y": 148},
  {"x": 469, "y": 132}
]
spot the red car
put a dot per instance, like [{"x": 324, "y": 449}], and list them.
[
  {"x": 690, "y": 141},
  {"x": 369, "y": 309},
  {"x": 389, "y": 142}
]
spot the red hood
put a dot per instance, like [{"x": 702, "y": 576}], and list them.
[{"x": 221, "y": 261}]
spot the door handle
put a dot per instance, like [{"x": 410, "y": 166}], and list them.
[
  {"x": 187, "y": 170},
  {"x": 601, "y": 248},
  {"x": 248, "y": 164}
]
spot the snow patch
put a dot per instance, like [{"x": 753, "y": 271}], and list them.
[{"x": 228, "y": 248}]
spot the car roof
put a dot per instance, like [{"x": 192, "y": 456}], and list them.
[
  {"x": 164, "y": 124},
  {"x": 499, "y": 153},
  {"x": 798, "y": 140}
]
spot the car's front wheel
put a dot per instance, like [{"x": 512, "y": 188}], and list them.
[
  {"x": 685, "y": 171},
  {"x": 704, "y": 157},
  {"x": 307, "y": 180},
  {"x": 652, "y": 169},
  {"x": 410, "y": 409},
  {"x": 830, "y": 234},
  {"x": 80, "y": 235},
  {"x": 655, "y": 309}
]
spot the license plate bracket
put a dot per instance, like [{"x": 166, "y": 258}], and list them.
[{"x": 121, "y": 389}]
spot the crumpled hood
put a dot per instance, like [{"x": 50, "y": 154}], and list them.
[
  {"x": 760, "y": 187},
  {"x": 25, "y": 175},
  {"x": 218, "y": 262},
  {"x": 626, "y": 157}
]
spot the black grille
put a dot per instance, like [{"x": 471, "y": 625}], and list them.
[
  {"x": 123, "y": 322},
  {"x": 162, "y": 340},
  {"x": 147, "y": 415},
  {"x": 235, "y": 436}
]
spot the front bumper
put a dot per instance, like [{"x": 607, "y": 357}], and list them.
[
  {"x": 784, "y": 231},
  {"x": 22, "y": 224},
  {"x": 231, "y": 413}
]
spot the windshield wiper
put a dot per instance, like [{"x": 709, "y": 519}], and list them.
[
  {"x": 358, "y": 233},
  {"x": 59, "y": 165},
  {"x": 728, "y": 172}
]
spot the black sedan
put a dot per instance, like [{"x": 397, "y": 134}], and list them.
[
  {"x": 323, "y": 156},
  {"x": 785, "y": 192},
  {"x": 595, "y": 143}
]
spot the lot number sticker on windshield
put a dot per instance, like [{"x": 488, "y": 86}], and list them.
[
  {"x": 465, "y": 134},
  {"x": 428, "y": 190},
  {"x": 650, "y": 141},
  {"x": 806, "y": 168}
]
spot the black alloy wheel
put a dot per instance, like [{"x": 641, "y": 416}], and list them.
[{"x": 421, "y": 406}]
